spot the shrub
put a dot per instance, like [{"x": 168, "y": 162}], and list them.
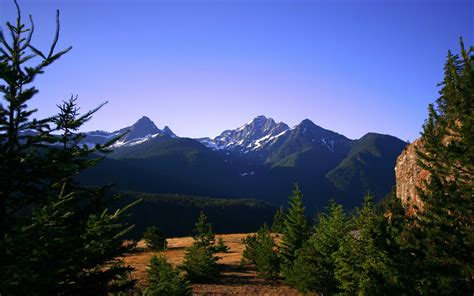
[
  {"x": 154, "y": 239},
  {"x": 165, "y": 280},
  {"x": 200, "y": 264}
]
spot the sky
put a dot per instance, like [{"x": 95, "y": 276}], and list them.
[{"x": 201, "y": 67}]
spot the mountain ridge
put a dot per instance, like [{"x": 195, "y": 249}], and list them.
[{"x": 260, "y": 159}]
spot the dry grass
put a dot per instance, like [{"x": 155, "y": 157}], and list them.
[{"x": 234, "y": 280}]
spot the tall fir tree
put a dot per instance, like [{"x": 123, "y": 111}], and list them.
[
  {"x": 55, "y": 236},
  {"x": 313, "y": 270},
  {"x": 363, "y": 267},
  {"x": 445, "y": 221},
  {"x": 295, "y": 230}
]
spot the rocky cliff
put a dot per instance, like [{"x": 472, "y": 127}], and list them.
[{"x": 409, "y": 176}]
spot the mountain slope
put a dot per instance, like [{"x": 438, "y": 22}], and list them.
[
  {"x": 167, "y": 165},
  {"x": 368, "y": 167},
  {"x": 308, "y": 145}
]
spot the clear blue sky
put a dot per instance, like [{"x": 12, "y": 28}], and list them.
[{"x": 205, "y": 66}]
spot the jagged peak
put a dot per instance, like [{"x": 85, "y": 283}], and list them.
[{"x": 167, "y": 131}]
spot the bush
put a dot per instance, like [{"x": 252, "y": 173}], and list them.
[
  {"x": 220, "y": 247},
  {"x": 261, "y": 251},
  {"x": 154, "y": 239},
  {"x": 165, "y": 280},
  {"x": 200, "y": 264}
]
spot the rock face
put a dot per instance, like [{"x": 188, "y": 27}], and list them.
[{"x": 409, "y": 176}]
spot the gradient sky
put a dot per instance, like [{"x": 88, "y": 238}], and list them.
[{"x": 205, "y": 66}]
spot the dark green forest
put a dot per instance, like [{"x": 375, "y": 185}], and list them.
[{"x": 176, "y": 214}]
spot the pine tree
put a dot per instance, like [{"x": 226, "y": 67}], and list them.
[
  {"x": 313, "y": 270},
  {"x": 445, "y": 222},
  {"x": 278, "y": 220},
  {"x": 220, "y": 246},
  {"x": 200, "y": 264},
  {"x": 154, "y": 239},
  {"x": 295, "y": 231},
  {"x": 363, "y": 266},
  {"x": 203, "y": 234},
  {"x": 399, "y": 241},
  {"x": 55, "y": 236},
  {"x": 261, "y": 250},
  {"x": 165, "y": 280}
]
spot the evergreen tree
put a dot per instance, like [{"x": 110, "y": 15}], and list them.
[
  {"x": 165, "y": 280},
  {"x": 363, "y": 266},
  {"x": 295, "y": 230},
  {"x": 220, "y": 246},
  {"x": 249, "y": 255},
  {"x": 203, "y": 234},
  {"x": 401, "y": 244},
  {"x": 445, "y": 222},
  {"x": 313, "y": 270},
  {"x": 55, "y": 236},
  {"x": 278, "y": 220},
  {"x": 200, "y": 264},
  {"x": 154, "y": 239},
  {"x": 261, "y": 250}
]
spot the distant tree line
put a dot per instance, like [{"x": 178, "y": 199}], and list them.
[{"x": 161, "y": 210}]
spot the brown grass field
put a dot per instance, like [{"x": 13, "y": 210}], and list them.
[{"x": 235, "y": 279}]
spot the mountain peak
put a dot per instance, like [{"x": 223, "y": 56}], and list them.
[
  {"x": 307, "y": 122},
  {"x": 144, "y": 120},
  {"x": 142, "y": 128},
  {"x": 254, "y": 135},
  {"x": 261, "y": 117},
  {"x": 167, "y": 131}
]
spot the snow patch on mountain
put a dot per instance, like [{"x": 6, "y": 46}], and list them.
[
  {"x": 141, "y": 131},
  {"x": 255, "y": 135}
]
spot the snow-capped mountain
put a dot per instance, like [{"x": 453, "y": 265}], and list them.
[
  {"x": 252, "y": 136},
  {"x": 263, "y": 136},
  {"x": 261, "y": 158},
  {"x": 141, "y": 131}
]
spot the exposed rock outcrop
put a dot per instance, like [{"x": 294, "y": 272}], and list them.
[{"x": 409, "y": 176}]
